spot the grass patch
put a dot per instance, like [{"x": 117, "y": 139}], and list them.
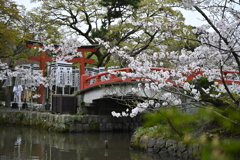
[{"x": 158, "y": 131}]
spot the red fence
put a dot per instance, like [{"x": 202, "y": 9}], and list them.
[{"x": 106, "y": 77}]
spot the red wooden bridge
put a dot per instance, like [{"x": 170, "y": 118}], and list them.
[
  {"x": 87, "y": 81},
  {"x": 101, "y": 92}
]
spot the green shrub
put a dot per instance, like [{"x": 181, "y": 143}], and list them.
[{"x": 20, "y": 116}]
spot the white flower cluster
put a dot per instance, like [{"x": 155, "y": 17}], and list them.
[
  {"x": 123, "y": 114},
  {"x": 66, "y": 50}
]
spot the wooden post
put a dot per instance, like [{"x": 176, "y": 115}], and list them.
[{"x": 42, "y": 58}]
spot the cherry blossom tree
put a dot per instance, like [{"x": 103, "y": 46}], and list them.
[
  {"x": 200, "y": 76},
  {"x": 220, "y": 36},
  {"x": 218, "y": 52}
]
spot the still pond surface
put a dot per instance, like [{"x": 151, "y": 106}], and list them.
[{"x": 32, "y": 144}]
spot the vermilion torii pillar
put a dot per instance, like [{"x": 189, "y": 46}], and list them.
[
  {"x": 43, "y": 58},
  {"x": 82, "y": 60}
]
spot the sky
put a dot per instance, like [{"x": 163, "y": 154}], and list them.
[
  {"x": 26, "y": 3},
  {"x": 192, "y": 18}
]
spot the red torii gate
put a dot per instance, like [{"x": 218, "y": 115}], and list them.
[{"x": 43, "y": 57}]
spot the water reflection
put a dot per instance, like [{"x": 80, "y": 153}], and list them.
[{"x": 31, "y": 144}]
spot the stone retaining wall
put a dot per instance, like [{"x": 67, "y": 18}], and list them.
[
  {"x": 70, "y": 123},
  {"x": 165, "y": 147}
]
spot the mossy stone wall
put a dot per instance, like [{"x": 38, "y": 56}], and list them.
[
  {"x": 70, "y": 123},
  {"x": 162, "y": 146}
]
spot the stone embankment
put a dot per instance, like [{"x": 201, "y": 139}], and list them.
[
  {"x": 69, "y": 123},
  {"x": 165, "y": 147}
]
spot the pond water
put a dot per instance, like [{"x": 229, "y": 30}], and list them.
[{"x": 32, "y": 144}]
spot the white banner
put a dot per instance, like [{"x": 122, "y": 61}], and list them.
[
  {"x": 68, "y": 76},
  {"x": 64, "y": 74},
  {"x": 52, "y": 70},
  {"x": 76, "y": 78},
  {"x": 60, "y": 77}
]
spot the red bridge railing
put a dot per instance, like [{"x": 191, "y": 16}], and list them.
[
  {"x": 103, "y": 78},
  {"x": 106, "y": 77}
]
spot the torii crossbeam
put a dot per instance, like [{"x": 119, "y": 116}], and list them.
[{"x": 43, "y": 58}]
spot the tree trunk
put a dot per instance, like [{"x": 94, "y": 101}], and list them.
[{"x": 8, "y": 96}]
